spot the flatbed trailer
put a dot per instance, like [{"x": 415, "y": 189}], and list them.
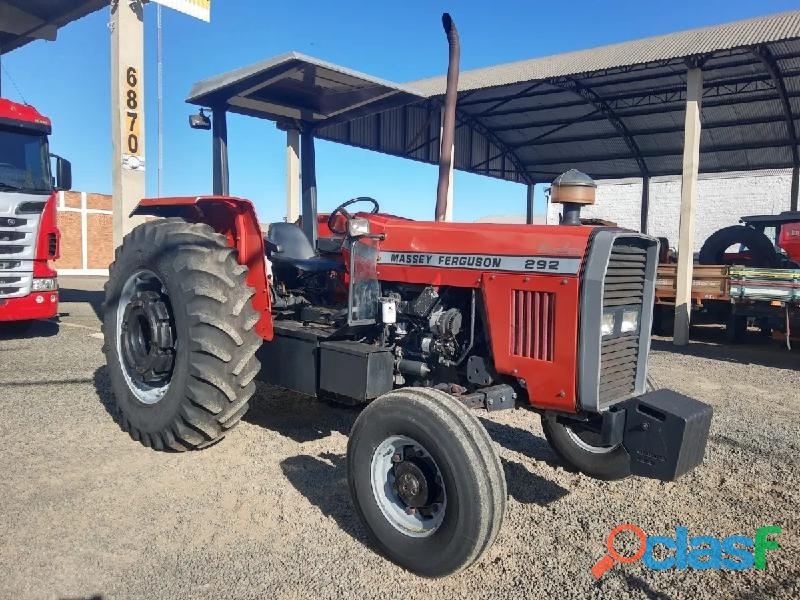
[{"x": 733, "y": 296}]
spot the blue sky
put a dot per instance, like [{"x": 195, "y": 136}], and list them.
[{"x": 68, "y": 80}]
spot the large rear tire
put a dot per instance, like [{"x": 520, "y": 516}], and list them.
[
  {"x": 179, "y": 333},
  {"x": 580, "y": 448},
  {"x": 761, "y": 250},
  {"x": 426, "y": 481}
]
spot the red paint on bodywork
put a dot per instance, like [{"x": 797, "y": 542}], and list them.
[
  {"x": 789, "y": 240},
  {"x": 48, "y": 228},
  {"x": 27, "y": 309},
  {"x": 550, "y": 384},
  {"x": 236, "y": 219},
  {"x": 23, "y": 113}
]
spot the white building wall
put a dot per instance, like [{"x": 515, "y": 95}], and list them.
[{"x": 722, "y": 200}]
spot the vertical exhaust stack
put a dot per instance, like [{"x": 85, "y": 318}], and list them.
[{"x": 449, "y": 125}]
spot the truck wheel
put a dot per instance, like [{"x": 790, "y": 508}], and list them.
[
  {"x": 581, "y": 448},
  {"x": 426, "y": 481},
  {"x": 179, "y": 339}
]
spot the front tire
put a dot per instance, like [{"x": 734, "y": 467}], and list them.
[
  {"x": 580, "y": 448},
  {"x": 426, "y": 481},
  {"x": 179, "y": 334}
]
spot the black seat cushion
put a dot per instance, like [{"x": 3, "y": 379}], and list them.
[{"x": 288, "y": 245}]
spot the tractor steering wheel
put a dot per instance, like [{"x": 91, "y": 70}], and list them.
[{"x": 341, "y": 210}]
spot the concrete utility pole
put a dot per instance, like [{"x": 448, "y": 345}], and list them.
[
  {"x": 127, "y": 113},
  {"x": 691, "y": 165},
  {"x": 292, "y": 175}
]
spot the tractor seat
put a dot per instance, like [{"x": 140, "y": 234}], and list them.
[{"x": 288, "y": 245}]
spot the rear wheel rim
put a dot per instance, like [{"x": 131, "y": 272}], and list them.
[
  {"x": 145, "y": 336},
  {"x": 408, "y": 486}
]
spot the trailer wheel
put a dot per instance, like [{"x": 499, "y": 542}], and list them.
[
  {"x": 179, "y": 339},
  {"x": 581, "y": 448},
  {"x": 426, "y": 481}
]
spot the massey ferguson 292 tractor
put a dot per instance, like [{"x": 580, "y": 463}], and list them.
[{"x": 423, "y": 323}]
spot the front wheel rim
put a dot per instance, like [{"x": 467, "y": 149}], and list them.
[
  {"x": 587, "y": 444},
  {"x": 408, "y": 486},
  {"x": 145, "y": 336}
]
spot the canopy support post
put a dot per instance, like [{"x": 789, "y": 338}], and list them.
[
  {"x": 292, "y": 175},
  {"x": 531, "y": 199},
  {"x": 795, "y": 192},
  {"x": 308, "y": 169},
  {"x": 645, "y": 213},
  {"x": 219, "y": 149},
  {"x": 691, "y": 165}
]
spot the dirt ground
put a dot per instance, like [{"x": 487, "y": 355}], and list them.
[{"x": 88, "y": 513}]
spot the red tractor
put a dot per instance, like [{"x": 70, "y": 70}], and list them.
[{"x": 421, "y": 322}]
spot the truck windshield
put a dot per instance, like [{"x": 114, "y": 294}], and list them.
[{"x": 24, "y": 162}]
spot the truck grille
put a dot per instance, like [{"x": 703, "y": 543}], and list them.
[
  {"x": 11, "y": 236},
  {"x": 12, "y": 222},
  {"x": 532, "y": 324},
  {"x": 623, "y": 286},
  {"x": 11, "y": 250},
  {"x": 10, "y": 285}
]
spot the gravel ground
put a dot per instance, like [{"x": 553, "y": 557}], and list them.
[{"x": 88, "y": 513}]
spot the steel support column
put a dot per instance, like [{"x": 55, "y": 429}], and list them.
[
  {"x": 645, "y": 211},
  {"x": 531, "y": 199},
  {"x": 691, "y": 164},
  {"x": 795, "y": 191},
  {"x": 219, "y": 126}
]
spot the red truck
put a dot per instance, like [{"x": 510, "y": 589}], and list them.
[{"x": 29, "y": 237}]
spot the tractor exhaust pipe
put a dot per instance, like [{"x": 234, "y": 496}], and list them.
[{"x": 449, "y": 124}]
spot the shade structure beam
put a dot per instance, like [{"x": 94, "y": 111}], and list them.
[
  {"x": 773, "y": 68},
  {"x": 592, "y": 98}
]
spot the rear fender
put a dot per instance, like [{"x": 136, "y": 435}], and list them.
[{"x": 236, "y": 219}]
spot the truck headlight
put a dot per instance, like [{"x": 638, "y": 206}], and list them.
[
  {"x": 607, "y": 324},
  {"x": 47, "y": 284},
  {"x": 630, "y": 321}
]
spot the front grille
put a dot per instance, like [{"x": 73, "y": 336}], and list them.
[
  {"x": 623, "y": 286},
  {"x": 52, "y": 244},
  {"x": 9, "y": 265},
  {"x": 11, "y": 236},
  {"x": 12, "y": 222},
  {"x": 532, "y": 324},
  {"x": 11, "y": 249},
  {"x": 10, "y": 285}
]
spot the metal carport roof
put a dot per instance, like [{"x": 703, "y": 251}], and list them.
[
  {"x": 615, "y": 111},
  {"x": 23, "y": 21}
]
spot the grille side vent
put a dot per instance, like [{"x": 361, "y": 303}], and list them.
[
  {"x": 52, "y": 244},
  {"x": 622, "y": 287},
  {"x": 532, "y": 324}
]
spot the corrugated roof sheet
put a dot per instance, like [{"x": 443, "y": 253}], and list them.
[
  {"x": 681, "y": 44},
  {"x": 613, "y": 112}
]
